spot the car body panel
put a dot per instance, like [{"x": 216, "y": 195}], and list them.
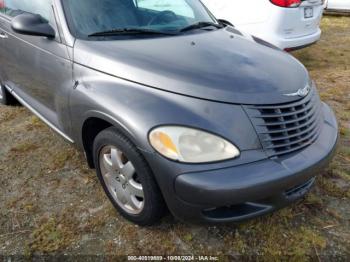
[
  {"x": 276, "y": 168},
  {"x": 241, "y": 73},
  {"x": 38, "y": 57},
  {"x": 267, "y": 185},
  {"x": 135, "y": 108}
]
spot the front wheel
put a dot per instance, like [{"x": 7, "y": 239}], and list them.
[{"x": 126, "y": 178}]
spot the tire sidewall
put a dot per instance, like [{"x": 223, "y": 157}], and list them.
[{"x": 113, "y": 138}]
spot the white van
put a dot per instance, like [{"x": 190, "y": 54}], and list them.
[{"x": 288, "y": 24}]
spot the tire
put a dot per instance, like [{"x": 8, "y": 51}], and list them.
[
  {"x": 124, "y": 173},
  {"x": 5, "y": 97}
]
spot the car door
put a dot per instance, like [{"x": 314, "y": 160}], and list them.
[{"x": 37, "y": 69}]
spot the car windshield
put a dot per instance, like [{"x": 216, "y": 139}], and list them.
[{"x": 135, "y": 17}]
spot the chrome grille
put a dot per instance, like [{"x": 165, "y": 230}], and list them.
[{"x": 286, "y": 128}]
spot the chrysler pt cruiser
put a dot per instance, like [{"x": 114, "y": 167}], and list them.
[{"x": 174, "y": 109}]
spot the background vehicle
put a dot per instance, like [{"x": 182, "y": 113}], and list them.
[
  {"x": 336, "y": 6},
  {"x": 289, "y": 24}
]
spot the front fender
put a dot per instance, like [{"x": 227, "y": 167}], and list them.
[{"x": 136, "y": 109}]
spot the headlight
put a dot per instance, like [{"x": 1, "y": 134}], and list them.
[{"x": 191, "y": 145}]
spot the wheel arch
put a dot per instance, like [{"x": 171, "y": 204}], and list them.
[{"x": 94, "y": 123}]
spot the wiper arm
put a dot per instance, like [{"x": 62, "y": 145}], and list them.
[
  {"x": 200, "y": 25},
  {"x": 120, "y": 31}
]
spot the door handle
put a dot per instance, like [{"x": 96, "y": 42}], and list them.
[{"x": 3, "y": 35}]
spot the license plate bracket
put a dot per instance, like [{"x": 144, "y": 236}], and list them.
[{"x": 308, "y": 12}]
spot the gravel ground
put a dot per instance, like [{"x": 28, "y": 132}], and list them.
[{"x": 51, "y": 203}]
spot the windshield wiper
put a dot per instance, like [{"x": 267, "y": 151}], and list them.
[
  {"x": 121, "y": 31},
  {"x": 200, "y": 25}
]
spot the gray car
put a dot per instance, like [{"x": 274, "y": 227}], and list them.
[{"x": 172, "y": 107}]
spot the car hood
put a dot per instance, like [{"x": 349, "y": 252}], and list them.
[{"x": 216, "y": 65}]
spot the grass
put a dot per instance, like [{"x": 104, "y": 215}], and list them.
[
  {"x": 52, "y": 203},
  {"x": 24, "y": 148},
  {"x": 49, "y": 237}
]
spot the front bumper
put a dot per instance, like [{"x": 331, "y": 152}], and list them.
[{"x": 232, "y": 194}]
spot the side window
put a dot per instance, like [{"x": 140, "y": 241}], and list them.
[
  {"x": 179, "y": 7},
  {"x": 40, "y": 7}
]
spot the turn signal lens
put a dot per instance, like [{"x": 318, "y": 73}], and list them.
[
  {"x": 190, "y": 145},
  {"x": 164, "y": 145}
]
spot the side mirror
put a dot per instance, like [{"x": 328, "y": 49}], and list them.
[
  {"x": 30, "y": 24},
  {"x": 225, "y": 22}
]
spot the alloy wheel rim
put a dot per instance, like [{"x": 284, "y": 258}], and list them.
[
  {"x": 121, "y": 180},
  {"x": 1, "y": 93}
]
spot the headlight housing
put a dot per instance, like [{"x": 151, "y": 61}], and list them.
[{"x": 191, "y": 145}]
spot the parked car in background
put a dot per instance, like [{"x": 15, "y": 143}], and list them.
[
  {"x": 337, "y": 6},
  {"x": 288, "y": 24}
]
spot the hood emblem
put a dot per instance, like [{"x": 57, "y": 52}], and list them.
[{"x": 301, "y": 92}]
